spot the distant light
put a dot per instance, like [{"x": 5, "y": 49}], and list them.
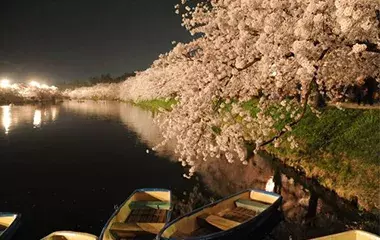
[
  {"x": 35, "y": 84},
  {"x": 5, "y": 83}
]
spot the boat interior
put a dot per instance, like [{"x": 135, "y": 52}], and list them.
[
  {"x": 6, "y": 220},
  {"x": 68, "y": 235},
  {"x": 58, "y": 237},
  {"x": 350, "y": 235},
  {"x": 222, "y": 216},
  {"x": 144, "y": 213}
]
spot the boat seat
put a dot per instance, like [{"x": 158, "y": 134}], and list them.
[
  {"x": 149, "y": 204},
  {"x": 239, "y": 214},
  {"x": 133, "y": 229},
  {"x": 252, "y": 205},
  {"x": 217, "y": 221},
  {"x": 148, "y": 215}
]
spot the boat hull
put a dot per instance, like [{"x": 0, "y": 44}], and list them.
[
  {"x": 350, "y": 235},
  {"x": 258, "y": 226},
  {"x": 12, "y": 228},
  {"x": 70, "y": 235}
]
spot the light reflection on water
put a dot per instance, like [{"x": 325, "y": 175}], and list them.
[
  {"x": 54, "y": 113},
  {"x": 37, "y": 118},
  {"x": 138, "y": 120},
  {"x": 71, "y": 156},
  {"x": 13, "y": 117},
  {"x": 6, "y": 118}
]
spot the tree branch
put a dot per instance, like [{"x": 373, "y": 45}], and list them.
[
  {"x": 304, "y": 107},
  {"x": 248, "y": 65}
]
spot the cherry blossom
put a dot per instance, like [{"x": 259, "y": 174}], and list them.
[{"x": 278, "y": 53}]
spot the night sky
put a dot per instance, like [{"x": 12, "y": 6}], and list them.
[{"x": 63, "y": 40}]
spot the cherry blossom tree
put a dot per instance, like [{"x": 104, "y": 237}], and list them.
[
  {"x": 277, "y": 55},
  {"x": 101, "y": 91},
  {"x": 16, "y": 93},
  {"x": 279, "y": 51}
]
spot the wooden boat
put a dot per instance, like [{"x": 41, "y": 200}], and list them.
[
  {"x": 9, "y": 222},
  {"x": 69, "y": 235},
  {"x": 350, "y": 235},
  {"x": 142, "y": 215},
  {"x": 234, "y": 217}
]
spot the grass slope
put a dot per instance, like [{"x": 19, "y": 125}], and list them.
[
  {"x": 342, "y": 150},
  {"x": 156, "y": 104}
]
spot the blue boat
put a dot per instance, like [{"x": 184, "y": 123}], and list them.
[
  {"x": 234, "y": 217},
  {"x": 9, "y": 222},
  {"x": 141, "y": 216}
]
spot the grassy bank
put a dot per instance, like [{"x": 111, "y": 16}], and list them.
[
  {"x": 156, "y": 104},
  {"x": 341, "y": 149}
]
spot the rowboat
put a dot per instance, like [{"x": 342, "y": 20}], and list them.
[
  {"x": 142, "y": 215},
  {"x": 234, "y": 217},
  {"x": 350, "y": 235},
  {"x": 9, "y": 223},
  {"x": 69, "y": 235}
]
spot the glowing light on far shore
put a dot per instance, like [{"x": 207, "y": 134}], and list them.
[
  {"x": 7, "y": 118},
  {"x": 269, "y": 187},
  {"x": 37, "y": 118},
  {"x": 35, "y": 84},
  {"x": 42, "y": 85},
  {"x": 5, "y": 83}
]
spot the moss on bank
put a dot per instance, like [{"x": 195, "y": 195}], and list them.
[{"x": 341, "y": 149}]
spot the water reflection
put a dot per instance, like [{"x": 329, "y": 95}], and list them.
[
  {"x": 6, "y": 118},
  {"x": 100, "y": 109},
  {"x": 37, "y": 118},
  {"x": 13, "y": 117},
  {"x": 136, "y": 119},
  {"x": 54, "y": 113},
  {"x": 310, "y": 210}
]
